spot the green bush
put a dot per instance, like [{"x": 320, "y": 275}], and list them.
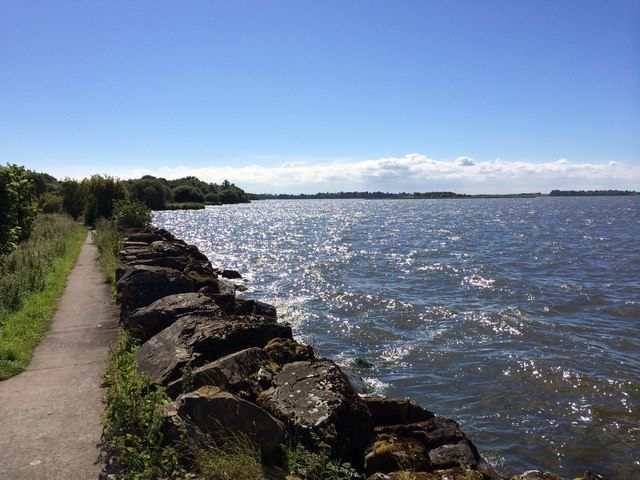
[
  {"x": 51, "y": 203},
  {"x": 74, "y": 197},
  {"x": 317, "y": 463},
  {"x": 151, "y": 191},
  {"x": 130, "y": 214},
  {"x": 101, "y": 193},
  {"x": 19, "y": 209},
  {"x": 187, "y": 193}
]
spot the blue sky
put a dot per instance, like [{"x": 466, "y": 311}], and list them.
[{"x": 302, "y": 96}]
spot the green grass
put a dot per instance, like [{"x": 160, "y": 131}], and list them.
[
  {"x": 133, "y": 421},
  {"x": 32, "y": 279},
  {"x": 108, "y": 241},
  {"x": 185, "y": 206}
]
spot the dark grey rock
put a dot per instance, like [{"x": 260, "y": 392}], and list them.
[
  {"x": 456, "y": 455},
  {"x": 313, "y": 395},
  {"x": 394, "y": 411},
  {"x": 237, "y": 373},
  {"x": 194, "y": 340},
  {"x": 219, "y": 414},
  {"x": 146, "y": 322},
  {"x": 140, "y": 286}
]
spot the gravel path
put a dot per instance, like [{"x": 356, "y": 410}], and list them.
[{"x": 50, "y": 414}]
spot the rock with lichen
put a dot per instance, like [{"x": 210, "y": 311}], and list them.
[{"x": 315, "y": 396}]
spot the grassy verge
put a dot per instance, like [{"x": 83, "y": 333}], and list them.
[
  {"x": 32, "y": 279},
  {"x": 108, "y": 241}
]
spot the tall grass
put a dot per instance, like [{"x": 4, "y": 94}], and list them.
[
  {"x": 32, "y": 278},
  {"x": 108, "y": 240},
  {"x": 133, "y": 421}
]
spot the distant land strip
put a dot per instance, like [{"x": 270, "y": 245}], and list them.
[{"x": 433, "y": 195}]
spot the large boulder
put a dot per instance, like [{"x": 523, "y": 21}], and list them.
[
  {"x": 393, "y": 411},
  {"x": 238, "y": 373},
  {"x": 286, "y": 350},
  {"x": 391, "y": 454},
  {"x": 142, "y": 285},
  {"x": 194, "y": 340},
  {"x": 243, "y": 306},
  {"x": 145, "y": 322},
  {"x": 536, "y": 475},
  {"x": 221, "y": 415},
  {"x": 458, "y": 473},
  {"x": 316, "y": 396},
  {"x": 445, "y": 444}
]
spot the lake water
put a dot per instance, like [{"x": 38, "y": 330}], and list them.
[{"x": 518, "y": 318}]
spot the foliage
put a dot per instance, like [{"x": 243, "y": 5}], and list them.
[
  {"x": 131, "y": 214},
  {"x": 101, "y": 192},
  {"x": 32, "y": 278},
  {"x": 50, "y": 202},
  {"x": 212, "y": 199},
  {"x": 19, "y": 209},
  {"x": 318, "y": 464},
  {"x": 108, "y": 241},
  {"x": 150, "y": 190},
  {"x": 185, "y": 206},
  {"x": 236, "y": 458},
  {"x": 43, "y": 183},
  {"x": 132, "y": 433},
  {"x": 187, "y": 193},
  {"x": 73, "y": 197}
]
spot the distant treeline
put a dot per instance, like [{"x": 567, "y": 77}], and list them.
[
  {"x": 23, "y": 194},
  {"x": 592, "y": 193},
  {"x": 81, "y": 197},
  {"x": 381, "y": 195}
]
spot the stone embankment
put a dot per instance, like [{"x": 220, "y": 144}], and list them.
[{"x": 230, "y": 365}]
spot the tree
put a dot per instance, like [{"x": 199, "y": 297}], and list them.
[
  {"x": 187, "y": 193},
  {"x": 151, "y": 191},
  {"x": 101, "y": 192},
  {"x": 18, "y": 208},
  {"x": 74, "y": 197}
]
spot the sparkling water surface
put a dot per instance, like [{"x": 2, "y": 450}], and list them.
[{"x": 518, "y": 318}]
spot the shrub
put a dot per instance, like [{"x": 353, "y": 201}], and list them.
[
  {"x": 318, "y": 464},
  {"x": 19, "y": 208},
  {"x": 50, "y": 203},
  {"x": 187, "y": 193},
  {"x": 101, "y": 192},
  {"x": 130, "y": 214}
]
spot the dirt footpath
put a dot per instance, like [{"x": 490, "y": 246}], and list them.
[{"x": 50, "y": 414}]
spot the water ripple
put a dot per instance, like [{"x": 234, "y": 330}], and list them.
[{"x": 519, "y": 318}]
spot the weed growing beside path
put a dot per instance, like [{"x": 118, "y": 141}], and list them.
[
  {"x": 133, "y": 422},
  {"x": 32, "y": 279}
]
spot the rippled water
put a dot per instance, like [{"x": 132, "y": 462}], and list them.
[{"x": 519, "y": 318}]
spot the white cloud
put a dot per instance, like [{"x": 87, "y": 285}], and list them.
[{"x": 415, "y": 172}]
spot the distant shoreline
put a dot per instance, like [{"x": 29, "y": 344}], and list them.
[{"x": 439, "y": 195}]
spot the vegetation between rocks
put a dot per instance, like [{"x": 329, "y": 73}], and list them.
[{"x": 132, "y": 433}]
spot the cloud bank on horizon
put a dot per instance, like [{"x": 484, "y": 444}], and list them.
[{"x": 416, "y": 172}]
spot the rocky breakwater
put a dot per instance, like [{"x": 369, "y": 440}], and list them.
[{"x": 231, "y": 366}]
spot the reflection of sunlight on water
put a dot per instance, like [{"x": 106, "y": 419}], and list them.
[{"x": 506, "y": 307}]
